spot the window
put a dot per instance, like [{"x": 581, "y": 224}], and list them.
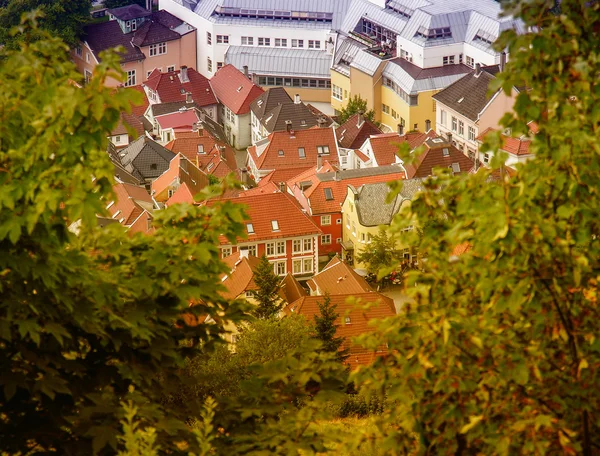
[
  {"x": 460, "y": 58},
  {"x": 307, "y": 264},
  {"x": 158, "y": 49},
  {"x": 486, "y": 158},
  {"x": 280, "y": 247},
  {"x": 313, "y": 44},
  {"x": 445, "y": 152},
  {"x": 385, "y": 108},
  {"x": 279, "y": 267},
  {"x": 336, "y": 92},
  {"x": 325, "y": 220},
  {"x": 270, "y": 248},
  {"x": 201, "y": 149},
  {"x": 170, "y": 68},
  {"x": 170, "y": 192},
  {"x": 395, "y": 114},
  {"x": 324, "y": 150},
  {"x": 249, "y": 294},
  {"x": 338, "y": 221},
  {"x": 87, "y": 57},
  {"x": 301, "y": 152},
  {"x": 264, "y": 41},
  {"x": 456, "y": 168},
  {"x": 250, "y": 228},
  {"x": 79, "y": 51},
  {"x": 454, "y": 123},
  {"x": 229, "y": 114},
  {"x": 297, "y": 43},
  {"x": 222, "y": 39},
  {"x": 118, "y": 139},
  {"x": 297, "y": 246},
  {"x": 326, "y": 239},
  {"x": 225, "y": 252},
  {"x": 302, "y": 266},
  {"x": 209, "y": 38},
  {"x": 347, "y": 320},
  {"x": 127, "y": 24},
  {"x": 443, "y": 117},
  {"x": 307, "y": 245},
  {"x": 448, "y": 60},
  {"x": 280, "y": 42},
  {"x": 461, "y": 128},
  {"x": 470, "y": 61},
  {"x": 247, "y": 41},
  {"x": 280, "y": 153},
  {"x": 219, "y": 65},
  {"x": 302, "y": 245},
  {"x": 338, "y": 241},
  {"x": 275, "y": 225},
  {"x": 328, "y": 194},
  {"x": 252, "y": 250},
  {"x": 209, "y": 64},
  {"x": 130, "y": 78},
  {"x": 471, "y": 134},
  {"x": 88, "y": 76}
]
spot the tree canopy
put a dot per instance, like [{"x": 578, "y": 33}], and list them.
[
  {"x": 61, "y": 18},
  {"x": 268, "y": 284},
  {"x": 355, "y": 105},
  {"x": 381, "y": 254},
  {"x": 325, "y": 328},
  {"x": 499, "y": 351}
]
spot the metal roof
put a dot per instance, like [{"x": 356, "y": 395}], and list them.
[
  {"x": 413, "y": 79},
  {"x": 366, "y": 62},
  {"x": 346, "y": 50},
  {"x": 280, "y": 61}
]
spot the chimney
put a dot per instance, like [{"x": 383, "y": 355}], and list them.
[
  {"x": 336, "y": 175},
  {"x": 321, "y": 122},
  {"x": 319, "y": 162},
  {"x": 297, "y": 99},
  {"x": 244, "y": 176},
  {"x": 246, "y": 72},
  {"x": 282, "y": 187},
  {"x": 188, "y": 97},
  {"x": 183, "y": 74},
  {"x": 288, "y": 126},
  {"x": 149, "y": 5},
  {"x": 361, "y": 119},
  {"x": 502, "y": 60},
  {"x": 449, "y": 135},
  {"x": 427, "y": 125},
  {"x": 477, "y": 69},
  {"x": 400, "y": 129},
  {"x": 221, "y": 150}
]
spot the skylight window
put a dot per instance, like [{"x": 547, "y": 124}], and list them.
[
  {"x": 460, "y": 100},
  {"x": 324, "y": 150},
  {"x": 484, "y": 36},
  {"x": 275, "y": 225},
  {"x": 280, "y": 153},
  {"x": 250, "y": 228},
  {"x": 201, "y": 149},
  {"x": 433, "y": 34},
  {"x": 301, "y": 152},
  {"x": 445, "y": 152},
  {"x": 456, "y": 167},
  {"x": 328, "y": 194},
  {"x": 239, "y": 89}
]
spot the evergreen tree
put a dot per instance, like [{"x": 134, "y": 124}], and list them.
[
  {"x": 325, "y": 328},
  {"x": 356, "y": 104},
  {"x": 267, "y": 294}
]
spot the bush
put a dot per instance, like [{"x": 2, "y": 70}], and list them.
[{"x": 358, "y": 406}]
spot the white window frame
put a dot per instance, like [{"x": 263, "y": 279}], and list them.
[
  {"x": 131, "y": 78},
  {"x": 443, "y": 117},
  {"x": 326, "y": 239},
  {"x": 471, "y": 133},
  {"x": 314, "y": 44},
  {"x": 226, "y": 251},
  {"x": 157, "y": 49},
  {"x": 461, "y": 128},
  {"x": 209, "y": 64},
  {"x": 280, "y": 247},
  {"x": 247, "y": 41},
  {"x": 277, "y": 264},
  {"x": 252, "y": 249},
  {"x": 306, "y": 265},
  {"x": 454, "y": 124},
  {"x": 280, "y": 42},
  {"x": 264, "y": 41},
  {"x": 325, "y": 220},
  {"x": 297, "y": 43},
  {"x": 79, "y": 51},
  {"x": 222, "y": 39},
  {"x": 336, "y": 92}
]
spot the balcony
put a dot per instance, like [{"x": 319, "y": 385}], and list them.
[{"x": 383, "y": 52}]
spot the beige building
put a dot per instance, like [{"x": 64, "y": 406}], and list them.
[{"x": 151, "y": 40}]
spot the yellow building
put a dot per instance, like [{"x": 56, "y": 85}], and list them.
[
  {"x": 365, "y": 210},
  {"x": 397, "y": 90}
]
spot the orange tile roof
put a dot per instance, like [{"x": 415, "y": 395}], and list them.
[
  {"x": 240, "y": 276},
  {"x": 310, "y": 139},
  {"x": 379, "y": 306},
  {"x": 178, "y": 119},
  {"x": 351, "y": 136},
  {"x": 263, "y": 209},
  {"x": 291, "y": 290},
  {"x": 338, "y": 278},
  {"x": 234, "y": 90},
  {"x": 433, "y": 157},
  {"x": 511, "y": 145},
  {"x": 461, "y": 249},
  {"x": 269, "y": 187},
  {"x": 131, "y": 201},
  {"x": 181, "y": 170},
  {"x": 181, "y": 195},
  {"x": 139, "y": 110},
  {"x": 315, "y": 193},
  {"x": 385, "y": 146}
]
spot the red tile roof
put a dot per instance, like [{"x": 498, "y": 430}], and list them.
[
  {"x": 291, "y": 290},
  {"x": 183, "y": 119},
  {"x": 131, "y": 201},
  {"x": 180, "y": 171},
  {"x": 434, "y": 157},
  {"x": 240, "y": 277},
  {"x": 379, "y": 306},
  {"x": 511, "y": 145},
  {"x": 315, "y": 193},
  {"x": 170, "y": 88},
  {"x": 461, "y": 249},
  {"x": 338, "y": 278},
  {"x": 234, "y": 90},
  {"x": 263, "y": 209},
  {"x": 181, "y": 195},
  {"x": 139, "y": 110},
  {"x": 351, "y": 136},
  {"x": 266, "y": 156},
  {"x": 385, "y": 146}
]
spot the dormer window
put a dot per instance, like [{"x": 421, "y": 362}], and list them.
[
  {"x": 347, "y": 320},
  {"x": 153, "y": 166},
  {"x": 275, "y": 225},
  {"x": 201, "y": 149},
  {"x": 433, "y": 34},
  {"x": 301, "y": 152},
  {"x": 323, "y": 150},
  {"x": 133, "y": 25},
  {"x": 328, "y": 194},
  {"x": 250, "y": 228},
  {"x": 445, "y": 152}
]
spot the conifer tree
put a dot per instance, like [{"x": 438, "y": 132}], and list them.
[
  {"x": 267, "y": 294},
  {"x": 325, "y": 328}
]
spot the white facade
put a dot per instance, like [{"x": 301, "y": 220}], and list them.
[
  {"x": 209, "y": 56},
  {"x": 449, "y": 121},
  {"x": 236, "y": 127},
  {"x": 433, "y": 56}
]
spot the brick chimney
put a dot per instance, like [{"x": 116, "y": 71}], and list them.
[
  {"x": 449, "y": 135},
  {"x": 477, "y": 69},
  {"x": 282, "y": 187},
  {"x": 246, "y": 72},
  {"x": 319, "y": 162},
  {"x": 400, "y": 129},
  {"x": 188, "y": 97}
]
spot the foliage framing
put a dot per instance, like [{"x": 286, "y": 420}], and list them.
[{"x": 499, "y": 352}]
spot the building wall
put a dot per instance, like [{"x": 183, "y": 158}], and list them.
[
  {"x": 433, "y": 56},
  {"x": 364, "y": 85},
  {"x": 461, "y": 141},
  {"x": 334, "y": 230},
  {"x": 289, "y": 256},
  {"x": 496, "y": 109},
  {"x": 179, "y": 53},
  {"x": 342, "y": 81},
  {"x": 239, "y": 133}
]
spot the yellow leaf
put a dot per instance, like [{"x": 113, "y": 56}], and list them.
[
  {"x": 583, "y": 364},
  {"x": 477, "y": 341},
  {"x": 473, "y": 421},
  {"x": 424, "y": 361},
  {"x": 446, "y": 330}
]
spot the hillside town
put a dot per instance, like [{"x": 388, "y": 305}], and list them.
[{"x": 265, "y": 95}]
